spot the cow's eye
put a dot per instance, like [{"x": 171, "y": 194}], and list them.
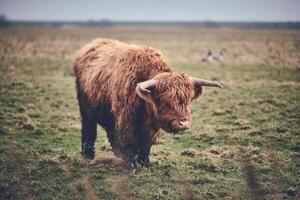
[
  {"x": 181, "y": 102},
  {"x": 168, "y": 106}
]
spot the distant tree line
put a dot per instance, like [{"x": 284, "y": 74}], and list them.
[{"x": 4, "y": 22}]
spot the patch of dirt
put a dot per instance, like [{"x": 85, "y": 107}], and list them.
[
  {"x": 66, "y": 170},
  {"x": 255, "y": 133},
  {"x": 111, "y": 161},
  {"x": 120, "y": 187},
  {"x": 233, "y": 153},
  {"x": 90, "y": 194},
  {"x": 74, "y": 190},
  {"x": 187, "y": 192},
  {"x": 209, "y": 167},
  {"x": 274, "y": 160},
  {"x": 194, "y": 181},
  {"x": 187, "y": 187},
  {"x": 251, "y": 178},
  {"x": 289, "y": 84},
  {"x": 219, "y": 112},
  {"x": 20, "y": 166},
  {"x": 84, "y": 187},
  {"x": 213, "y": 152},
  {"x": 242, "y": 124},
  {"x": 266, "y": 101},
  {"x": 194, "y": 153},
  {"x": 17, "y": 158},
  {"x": 27, "y": 122}
]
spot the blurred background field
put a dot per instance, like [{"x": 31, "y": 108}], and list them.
[{"x": 243, "y": 143}]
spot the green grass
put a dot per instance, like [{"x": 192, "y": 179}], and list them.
[{"x": 243, "y": 143}]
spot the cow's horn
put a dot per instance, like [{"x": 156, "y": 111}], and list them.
[
  {"x": 202, "y": 82},
  {"x": 144, "y": 86}
]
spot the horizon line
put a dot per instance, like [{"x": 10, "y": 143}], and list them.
[{"x": 153, "y": 21}]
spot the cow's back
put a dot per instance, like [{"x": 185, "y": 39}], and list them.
[
  {"x": 109, "y": 70},
  {"x": 96, "y": 66}
]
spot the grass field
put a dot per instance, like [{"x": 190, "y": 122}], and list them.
[{"x": 243, "y": 143}]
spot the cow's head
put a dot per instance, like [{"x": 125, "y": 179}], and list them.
[{"x": 169, "y": 95}]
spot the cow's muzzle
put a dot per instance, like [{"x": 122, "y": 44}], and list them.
[
  {"x": 179, "y": 125},
  {"x": 184, "y": 125}
]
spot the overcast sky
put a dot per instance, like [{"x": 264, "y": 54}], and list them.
[{"x": 172, "y": 10}]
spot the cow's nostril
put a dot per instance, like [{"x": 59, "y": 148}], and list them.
[{"x": 184, "y": 124}]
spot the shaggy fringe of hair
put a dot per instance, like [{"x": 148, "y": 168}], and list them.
[{"x": 177, "y": 90}]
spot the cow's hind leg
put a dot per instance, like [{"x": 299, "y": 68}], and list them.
[
  {"x": 88, "y": 133},
  {"x": 88, "y": 136},
  {"x": 89, "y": 125}
]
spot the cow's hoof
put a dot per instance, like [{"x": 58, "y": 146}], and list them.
[
  {"x": 143, "y": 161},
  {"x": 88, "y": 152},
  {"x": 88, "y": 156},
  {"x": 130, "y": 167}
]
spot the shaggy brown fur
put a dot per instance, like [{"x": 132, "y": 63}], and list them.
[{"x": 107, "y": 73}]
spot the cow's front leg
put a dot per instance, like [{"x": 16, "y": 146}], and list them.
[
  {"x": 143, "y": 157},
  {"x": 130, "y": 155}
]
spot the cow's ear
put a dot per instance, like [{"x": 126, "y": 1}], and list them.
[
  {"x": 144, "y": 91},
  {"x": 146, "y": 96},
  {"x": 198, "y": 91}
]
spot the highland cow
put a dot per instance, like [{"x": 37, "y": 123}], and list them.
[{"x": 132, "y": 92}]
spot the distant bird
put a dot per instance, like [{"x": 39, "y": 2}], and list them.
[
  {"x": 208, "y": 57},
  {"x": 220, "y": 56}
]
